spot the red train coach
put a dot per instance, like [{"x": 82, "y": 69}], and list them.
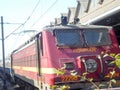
[{"x": 59, "y": 57}]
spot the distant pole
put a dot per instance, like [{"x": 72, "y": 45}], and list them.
[{"x": 3, "y": 53}]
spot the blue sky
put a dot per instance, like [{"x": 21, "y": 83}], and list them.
[{"x": 18, "y": 11}]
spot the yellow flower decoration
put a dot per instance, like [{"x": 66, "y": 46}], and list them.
[
  {"x": 60, "y": 71},
  {"x": 117, "y": 57}
]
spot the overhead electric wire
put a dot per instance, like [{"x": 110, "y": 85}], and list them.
[
  {"x": 25, "y": 20},
  {"x": 10, "y": 23},
  {"x": 13, "y": 31},
  {"x": 44, "y": 13},
  {"x": 32, "y": 12}
]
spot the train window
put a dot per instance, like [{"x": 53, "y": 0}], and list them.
[
  {"x": 31, "y": 60},
  {"x": 21, "y": 62},
  {"x": 97, "y": 37},
  {"x": 24, "y": 61},
  {"x": 69, "y": 38},
  {"x": 35, "y": 58}
]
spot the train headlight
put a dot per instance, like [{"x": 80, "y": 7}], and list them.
[
  {"x": 91, "y": 65},
  {"x": 69, "y": 65}
]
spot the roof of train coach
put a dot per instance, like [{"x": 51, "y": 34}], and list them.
[
  {"x": 52, "y": 28},
  {"x": 77, "y": 26}
]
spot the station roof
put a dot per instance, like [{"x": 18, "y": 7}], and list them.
[{"x": 111, "y": 18}]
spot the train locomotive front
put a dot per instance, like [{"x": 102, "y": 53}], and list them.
[{"x": 68, "y": 57}]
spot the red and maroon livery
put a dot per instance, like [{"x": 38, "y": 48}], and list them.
[{"x": 60, "y": 55}]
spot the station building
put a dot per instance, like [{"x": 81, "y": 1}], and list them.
[{"x": 102, "y": 12}]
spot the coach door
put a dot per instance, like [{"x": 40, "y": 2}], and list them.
[{"x": 39, "y": 51}]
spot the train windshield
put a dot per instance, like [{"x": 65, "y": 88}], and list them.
[
  {"x": 82, "y": 38},
  {"x": 68, "y": 38},
  {"x": 97, "y": 37}
]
